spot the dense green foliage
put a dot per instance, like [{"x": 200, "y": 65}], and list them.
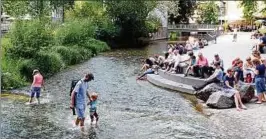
[
  {"x": 89, "y": 27},
  {"x": 130, "y": 16},
  {"x": 28, "y": 37},
  {"x": 249, "y": 8},
  {"x": 75, "y": 32},
  {"x": 35, "y": 45},
  {"x": 185, "y": 9},
  {"x": 208, "y": 12}
]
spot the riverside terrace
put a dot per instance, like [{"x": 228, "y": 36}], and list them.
[{"x": 226, "y": 49}]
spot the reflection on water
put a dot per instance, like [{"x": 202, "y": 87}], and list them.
[{"x": 127, "y": 108}]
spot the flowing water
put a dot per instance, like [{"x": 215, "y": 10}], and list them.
[{"x": 128, "y": 108}]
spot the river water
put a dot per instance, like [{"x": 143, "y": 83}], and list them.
[{"x": 127, "y": 108}]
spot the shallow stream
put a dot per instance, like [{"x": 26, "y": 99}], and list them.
[{"x": 128, "y": 108}]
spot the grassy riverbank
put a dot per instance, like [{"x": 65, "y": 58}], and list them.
[{"x": 40, "y": 45}]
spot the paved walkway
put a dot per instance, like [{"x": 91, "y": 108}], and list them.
[
  {"x": 229, "y": 50},
  {"x": 248, "y": 124}
]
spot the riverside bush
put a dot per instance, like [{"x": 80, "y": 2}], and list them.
[
  {"x": 28, "y": 37},
  {"x": 49, "y": 63},
  {"x": 26, "y": 68},
  {"x": 95, "y": 46},
  {"x": 66, "y": 54},
  {"x": 73, "y": 54},
  {"x": 84, "y": 53},
  {"x": 75, "y": 32},
  {"x": 10, "y": 77}
]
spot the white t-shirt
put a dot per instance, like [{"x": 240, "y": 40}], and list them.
[{"x": 235, "y": 31}]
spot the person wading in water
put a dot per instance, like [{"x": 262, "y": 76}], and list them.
[
  {"x": 79, "y": 98},
  {"x": 37, "y": 83}
]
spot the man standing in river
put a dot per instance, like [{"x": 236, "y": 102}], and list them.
[{"x": 79, "y": 98}]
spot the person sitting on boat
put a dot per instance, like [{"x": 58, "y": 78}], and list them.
[{"x": 216, "y": 77}]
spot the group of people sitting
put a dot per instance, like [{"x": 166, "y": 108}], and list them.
[
  {"x": 174, "y": 61},
  {"x": 250, "y": 71}
]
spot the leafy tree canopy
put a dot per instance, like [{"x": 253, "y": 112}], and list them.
[
  {"x": 249, "y": 8},
  {"x": 130, "y": 16},
  {"x": 207, "y": 12},
  {"x": 182, "y": 11}
]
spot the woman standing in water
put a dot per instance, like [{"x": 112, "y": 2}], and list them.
[{"x": 37, "y": 83}]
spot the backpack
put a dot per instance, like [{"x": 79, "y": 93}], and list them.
[{"x": 73, "y": 84}]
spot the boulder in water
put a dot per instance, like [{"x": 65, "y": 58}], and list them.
[
  {"x": 220, "y": 100},
  {"x": 204, "y": 93}
]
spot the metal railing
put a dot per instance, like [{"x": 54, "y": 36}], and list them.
[{"x": 193, "y": 26}]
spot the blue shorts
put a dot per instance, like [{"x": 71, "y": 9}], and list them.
[
  {"x": 36, "y": 90},
  {"x": 260, "y": 85},
  {"x": 80, "y": 110}
]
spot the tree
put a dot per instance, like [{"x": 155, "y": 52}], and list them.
[
  {"x": 130, "y": 16},
  {"x": 15, "y": 8},
  {"x": 87, "y": 9},
  {"x": 207, "y": 12},
  {"x": 249, "y": 8},
  {"x": 184, "y": 9},
  {"x": 62, "y": 5}
]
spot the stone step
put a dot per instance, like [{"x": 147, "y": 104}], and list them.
[
  {"x": 162, "y": 82},
  {"x": 181, "y": 79}
]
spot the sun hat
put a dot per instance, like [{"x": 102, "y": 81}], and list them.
[{"x": 35, "y": 71}]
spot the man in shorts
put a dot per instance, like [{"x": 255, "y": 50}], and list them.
[{"x": 79, "y": 98}]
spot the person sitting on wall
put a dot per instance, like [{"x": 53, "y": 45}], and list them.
[
  {"x": 216, "y": 77},
  {"x": 188, "y": 46},
  {"x": 192, "y": 63},
  {"x": 148, "y": 63},
  {"x": 159, "y": 60},
  {"x": 196, "y": 45},
  {"x": 201, "y": 44},
  {"x": 179, "y": 64},
  {"x": 174, "y": 61},
  {"x": 201, "y": 67},
  {"x": 168, "y": 60},
  {"x": 216, "y": 59}
]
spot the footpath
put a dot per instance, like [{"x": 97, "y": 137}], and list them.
[{"x": 246, "y": 124}]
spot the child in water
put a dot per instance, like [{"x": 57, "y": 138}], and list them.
[{"x": 93, "y": 102}]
